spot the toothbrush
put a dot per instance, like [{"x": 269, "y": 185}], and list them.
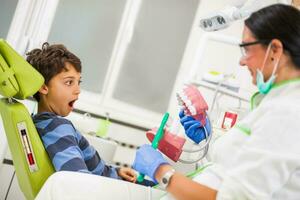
[{"x": 157, "y": 138}]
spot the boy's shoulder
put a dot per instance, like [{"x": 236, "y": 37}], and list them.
[{"x": 46, "y": 118}]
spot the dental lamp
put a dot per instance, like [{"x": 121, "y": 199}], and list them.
[
  {"x": 239, "y": 10},
  {"x": 222, "y": 19}
]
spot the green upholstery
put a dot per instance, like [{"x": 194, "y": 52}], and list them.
[
  {"x": 18, "y": 79},
  {"x": 27, "y": 80}
]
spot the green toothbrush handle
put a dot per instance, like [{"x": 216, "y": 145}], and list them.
[
  {"x": 140, "y": 178},
  {"x": 158, "y": 136}
]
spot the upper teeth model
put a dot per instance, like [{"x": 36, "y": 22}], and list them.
[{"x": 192, "y": 102}]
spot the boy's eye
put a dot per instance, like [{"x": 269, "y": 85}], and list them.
[{"x": 69, "y": 82}]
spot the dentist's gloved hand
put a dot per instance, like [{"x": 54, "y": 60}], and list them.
[
  {"x": 193, "y": 128},
  {"x": 147, "y": 160}
]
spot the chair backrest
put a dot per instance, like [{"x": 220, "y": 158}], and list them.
[{"x": 19, "y": 80}]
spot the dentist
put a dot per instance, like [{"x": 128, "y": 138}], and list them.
[{"x": 259, "y": 158}]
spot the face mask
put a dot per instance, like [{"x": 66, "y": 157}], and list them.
[{"x": 264, "y": 87}]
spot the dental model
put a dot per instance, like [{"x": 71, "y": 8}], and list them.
[
  {"x": 170, "y": 144},
  {"x": 192, "y": 102}
]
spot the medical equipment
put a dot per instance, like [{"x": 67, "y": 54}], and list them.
[
  {"x": 19, "y": 80},
  {"x": 159, "y": 135},
  {"x": 227, "y": 81},
  {"x": 239, "y": 10},
  {"x": 171, "y": 144},
  {"x": 222, "y": 19},
  {"x": 229, "y": 120},
  {"x": 193, "y": 103}
]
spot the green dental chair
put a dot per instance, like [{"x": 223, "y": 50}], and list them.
[{"x": 19, "y": 80}]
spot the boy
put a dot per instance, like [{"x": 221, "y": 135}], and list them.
[{"x": 66, "y": 147}]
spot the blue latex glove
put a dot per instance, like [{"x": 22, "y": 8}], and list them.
[
  {"x": 147, "y": 160},
  {"x": 193, "y": 128}
]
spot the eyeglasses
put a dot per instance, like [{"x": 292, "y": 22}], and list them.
[{"x": 244, "y": 50}]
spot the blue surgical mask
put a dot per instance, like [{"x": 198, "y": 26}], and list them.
[{"x": 264, "y": 87}]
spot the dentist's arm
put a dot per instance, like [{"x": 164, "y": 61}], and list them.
[
  {"x": 150, "y": 162},
  {"x": 183, "y": 188}
]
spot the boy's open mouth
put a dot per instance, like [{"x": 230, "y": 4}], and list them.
[{"x": 71, "y": 103}]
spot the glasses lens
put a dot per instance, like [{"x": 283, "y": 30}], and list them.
[{"x": 243, "y": 51}]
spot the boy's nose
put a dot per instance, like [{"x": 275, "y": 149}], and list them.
[{"x": 77, "y": 90}]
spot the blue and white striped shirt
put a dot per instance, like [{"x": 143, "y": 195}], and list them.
[{"x": 67, "y": 148}]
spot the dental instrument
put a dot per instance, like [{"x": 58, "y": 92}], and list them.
[
  {"x": 158, "y": 136},
  {"x": 171, "y": 144},
  {"x": 193, "y": 104}
]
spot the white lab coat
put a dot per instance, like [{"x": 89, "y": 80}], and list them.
[
  {"x": 260, "y": 157},
  {"x": 66, "y": 185}
]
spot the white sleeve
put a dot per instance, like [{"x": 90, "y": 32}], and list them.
[
  {"x": 220, "y": 152},
  {"x": 73, "y": 185},
  {"x": 264, "y": 163}
]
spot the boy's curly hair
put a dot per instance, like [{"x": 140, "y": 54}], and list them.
[{"x": 50, "y": 60}]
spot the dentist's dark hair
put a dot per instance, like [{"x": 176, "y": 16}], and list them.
[
  {"x": 50, "y": 60},
  {"x": 280, "y": 22}
]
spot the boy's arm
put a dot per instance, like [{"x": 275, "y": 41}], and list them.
[
  {"x": 62, "y": 147},
  {"x": 93, "y": 160}
]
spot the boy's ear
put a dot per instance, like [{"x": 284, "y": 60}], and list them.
[{"x": 43, "y": 89}]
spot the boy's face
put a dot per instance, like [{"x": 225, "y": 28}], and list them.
[{"x": 60, "y": 94}]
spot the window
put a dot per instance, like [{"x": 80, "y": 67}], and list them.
[
  {"x": 131, "y": 50},
  {"x": 7, "y": 10},
  {"x": 153, "y": 57},
  {"x": 89, "y": 30}
]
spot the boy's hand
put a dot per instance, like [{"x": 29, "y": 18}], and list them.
[{"x": 127, "y": 174}]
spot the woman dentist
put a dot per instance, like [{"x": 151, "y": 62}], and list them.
[{"x": 259, "y": 158}]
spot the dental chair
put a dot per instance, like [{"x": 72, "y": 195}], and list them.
[{"x": 19, "y": 80}]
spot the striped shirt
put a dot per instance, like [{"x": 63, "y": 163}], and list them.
[{"x": 67, "y": 148}]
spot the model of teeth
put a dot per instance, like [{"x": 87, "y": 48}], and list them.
[
  {"x": 171, "y": 144},
  {"x": 192, "y": 102}
]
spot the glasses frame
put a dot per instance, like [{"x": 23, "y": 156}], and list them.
[{"x": 246, "y": 44}]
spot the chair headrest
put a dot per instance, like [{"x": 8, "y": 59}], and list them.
[{"x": 18, "y": 78}]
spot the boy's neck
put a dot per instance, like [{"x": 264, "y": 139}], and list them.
[{"x": 43, "y": 108}]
